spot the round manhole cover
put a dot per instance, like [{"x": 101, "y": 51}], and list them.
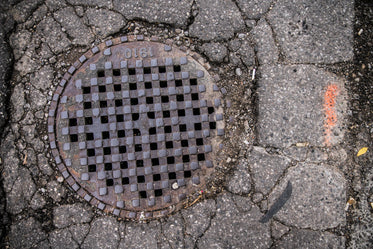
[{"x": 134, "y": 127}]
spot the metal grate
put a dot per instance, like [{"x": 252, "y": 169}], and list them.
[{"x": 135, "y": 123}]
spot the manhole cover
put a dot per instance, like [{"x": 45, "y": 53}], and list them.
[{"x": 134, "y": 127}]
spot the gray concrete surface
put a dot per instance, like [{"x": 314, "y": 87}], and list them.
[{"x": 298, "y": 50}]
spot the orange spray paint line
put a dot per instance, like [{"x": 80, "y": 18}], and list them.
[{"x": 330, "y": 112}]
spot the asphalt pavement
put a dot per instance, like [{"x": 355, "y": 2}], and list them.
[{"x": 290, "y": 174}]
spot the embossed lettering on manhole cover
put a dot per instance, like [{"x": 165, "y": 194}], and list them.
[{"x": 134, "y": 127}]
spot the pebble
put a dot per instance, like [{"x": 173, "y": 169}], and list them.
[
  {"x": 238, "y": 71},
  {"x": 229, "y": 160},
  {"x": 241, "y": 36},
  {"x": 175, "y": 185},
  {"x": 178, "y": 31},
  {"x": 60, "y": 179}
]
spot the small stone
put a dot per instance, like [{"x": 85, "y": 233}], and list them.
[
  {"x": 175, "y": 185},
  {"x": 238, "y": 71}
]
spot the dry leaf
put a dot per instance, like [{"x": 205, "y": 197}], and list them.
[
  {"x": 362, "y": 151},
  {"x": 25, "y": 159},
  {"x": 350, "y": 202}
]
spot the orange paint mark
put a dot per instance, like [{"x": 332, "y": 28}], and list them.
[{"x": 329, "y": 108}]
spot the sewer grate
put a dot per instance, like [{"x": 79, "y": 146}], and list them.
[{"x": 134, "y": 126}]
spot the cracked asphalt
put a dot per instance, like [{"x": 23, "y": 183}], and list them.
[{"x": 298, "y": 76}]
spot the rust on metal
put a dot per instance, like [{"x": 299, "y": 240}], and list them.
[{"x": 134, "y": 127}]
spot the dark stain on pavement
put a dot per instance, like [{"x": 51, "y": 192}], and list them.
[{"x": 279, "y": 203}]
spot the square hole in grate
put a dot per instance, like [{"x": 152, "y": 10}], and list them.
[
  {"x": 138, "y": 147},
  {"x": 92, "y": 168},
  {"x": 116, "y": 72},
  {"x": 156, "y": 177},
  {"x": 105, "y": 135},
  {"x": 89, "y": 136},
  {"x": 184, "y": 143},
  {"x": 148, "y": 85},
  {"x": 87, "y": 105},
  {"x": 139, "y": 163},
  {"x": 195, "y": 96},
  {"x": 91, "y": 152},
  {"x": 124, "y": 165},
  {"x": 178, "y": 83},
  {"x": 158, "y": 192},
  {"x": 181, "y": 113},
  {"x": 125, "y": 180},
  {"x": 198, "y": 126},
  {"x": 73, "y": 138},
  {"x": 163, "y": 84},
  {"x": 107, "y": 151},
  {"x": 170, "y": 160},
  {"x": 151, "y": 115},
  {"x": 167, "y": 129},
  {"x": 166, "y": 114},
  {"x": 201, "y": 157},
  {"x": 180, "y": 97},
  {"x": 199, "y": 141},
  {"x": 108, "y": 166},
  {"x": 136, "y": 132},
  {"x": 102, "y": 89},
  {"x": 133, "y": 86},
  {"x": 88, "y": 120},
  {"x": 186, "y": 158},
  {"x": 143, "y": 194},
  {"x": 117, "y": 88},
  {"x": 122, "y": 149},
  {"x": 120, "y": 118},
  {"x": 135, "y": 116},
  {"x": 212, "y": 125},
  {"x": 86, "y": 89},
  {"x": 164, "y": 99},
  {"x": 196, "y": 111},
  {"x": 140, "y": 179},
  {"x": 177, "y": 68},
  {"x": 187, "y": 174},
  {"x": 193, "y": 82},
  {"x": 73, "y": 122},
  {"x": 169, "y": 145},
  {"x": 121, "y": 133},
  {"x": 149, "y": 100},
  {"x": 100, "y": 73},
  {"x": 172, "y": 175},
  {"x": 131, "y": 71},
  {"x": 210, "y": 110},
  {"x": 104, "y": 119},
  {"x": 118, "y": 102},
  {"x": 155, "y": 161},
  {"x": 103, "y": 103},
  {"x": 153, "y": 146},
  {"x": 109, "y": 182},
  {"x": 147, "y": 70},
  {"x": 182, "y": 127},
  {"x": 162, "y": 69},
  {"x": 134, "y": 101},
  {"x": 152, "y": 131}
]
